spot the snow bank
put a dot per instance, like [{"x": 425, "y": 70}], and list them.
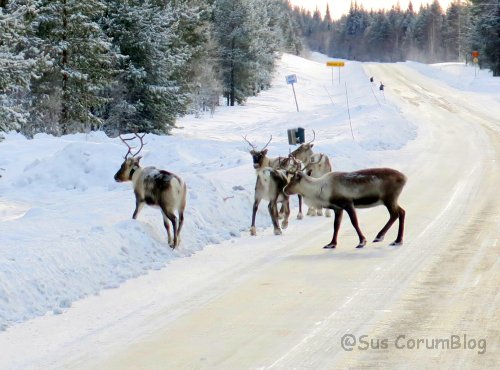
[{"x": 65, "y": 225}]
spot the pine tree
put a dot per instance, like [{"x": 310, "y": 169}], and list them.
[
  {"x": 161, "y": 40},
  {"x": 487, "y": 33},
  {"x": 79, "y": 66},
  {"x": 15, "y": 66}
]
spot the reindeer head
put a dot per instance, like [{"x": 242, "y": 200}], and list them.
[
  {"x": 294, "y": 183},
  {"x": 131, "y": 162},
  {"x": 258, "y": 156},
  {"x": 304, "y": 151}
]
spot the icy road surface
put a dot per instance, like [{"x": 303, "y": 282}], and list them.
[{"x": 290, "y": 302}]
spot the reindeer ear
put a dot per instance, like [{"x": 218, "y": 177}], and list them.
[
  {"x": 311, "y": 145},
  {"x": 264, "y": 151},
  {"x": 137, "y": 159}
]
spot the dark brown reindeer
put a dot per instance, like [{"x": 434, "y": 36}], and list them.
[
  {"x": 349, "y": 190},
  {"x": 154, "y": 187}
]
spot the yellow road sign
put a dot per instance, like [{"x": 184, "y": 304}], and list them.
[
  {"x": 475, "y": 60},
  {"x": 335, "y": 63}
]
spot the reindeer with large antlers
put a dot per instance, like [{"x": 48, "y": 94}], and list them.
[
  {"x": 261, "y": 160},
  {"x": 154, "y": 187}
]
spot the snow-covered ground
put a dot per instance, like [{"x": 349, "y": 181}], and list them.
[
  {"x": 66, "y": 231},
  {"x": 66, "y": 225}
]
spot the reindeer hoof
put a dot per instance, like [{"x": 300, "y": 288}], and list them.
[
  {"x": 328, "y": 214},
  {"x": 284, "y": 225},
  {"x": 277, "y": 232},
  {"x": 300, "y": 216},
  {"x": 378, "y": 239},
  {"x": 319, "y": 213},
  {"x": 396, "y": 244},
  {"x": 330, "y": 246},
  {"x": 253, "y": 231},
  {"x": 361, "y": 244}
]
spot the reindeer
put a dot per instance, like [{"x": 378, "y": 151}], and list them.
[
  {"x": 154, "y": 187},
  {"x": 319, "y": 165},
  {"x": 269, "y": 186},
  {"x": 261, "y": 160},
  {"x": 349, "y": 190},
  {"x": 316, "y": 165}
]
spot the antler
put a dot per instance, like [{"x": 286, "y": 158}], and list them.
[
  {"x": 124, "y": 140},
  {"x": 265, "y": 146},
  {"x": 253, "y": 146},
  {"x": 296, "y": 164}
]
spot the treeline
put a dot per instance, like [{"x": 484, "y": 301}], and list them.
[
  {"x": 429, "y": 34},
  {"x": 71, "y": 66}
]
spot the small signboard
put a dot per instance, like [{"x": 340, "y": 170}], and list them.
[
  {"x": 296, "y": 136},
  {"x": 475, "y": 54},
  {"x": 291, "y": 79},
  {"x": 475, "y": 60},
  {"x": 335, "y": 63}
]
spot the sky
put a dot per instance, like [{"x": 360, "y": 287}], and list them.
[{"x": 339, "y": 7}]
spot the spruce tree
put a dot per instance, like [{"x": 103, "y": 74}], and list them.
[
  {"x": 15, "y": 65},
  {"x": 80, "y": 64}
]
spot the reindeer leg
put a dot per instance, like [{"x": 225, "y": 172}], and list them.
[
  {"x": 336, "y": 226},
  {"x": 139, "y": 204},
  {"x": 300, "y": 216},
  {"x": 393, "y": 213},
  {"x": 286, "y": 207},
  {"x": 354, "y": 220},
  {"x": 281, "y": 212},
  {"x": 253, "y": 230},
  {"x": 181, "y": 222},
  {"x": 166, "y": 223},
  {"x": 311, "y": 211},
  {"x": 273, "y": 211},
  {"x": 173, "y": 220},
  {"x": 401, "y": 229}
]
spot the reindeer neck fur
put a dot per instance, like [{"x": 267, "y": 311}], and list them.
[
  {"x": 135, "y": 173},
  {"x": 316, "y": 189}
]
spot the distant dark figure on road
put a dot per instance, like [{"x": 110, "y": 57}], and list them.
[
  {"x": 371, "y": 79},
  {"x": 381, "y": 86}
]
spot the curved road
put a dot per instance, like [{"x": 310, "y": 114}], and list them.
[{"x": 289, "y": 307}]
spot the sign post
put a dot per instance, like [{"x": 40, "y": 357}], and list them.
[
  {"x": 290, "y": 80},
  {"x": 335, "y": 63},
  {"x": 475, "y": 59}
]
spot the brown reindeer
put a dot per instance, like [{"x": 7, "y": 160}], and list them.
[
  {"x": 155, "y": 187},
  {"x": 349, "y": 190}
]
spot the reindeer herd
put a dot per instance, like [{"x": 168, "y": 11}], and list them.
[{"x": 302, "y": 172}]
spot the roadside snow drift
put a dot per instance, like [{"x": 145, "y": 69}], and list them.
[{"x": 65, "y": 225}]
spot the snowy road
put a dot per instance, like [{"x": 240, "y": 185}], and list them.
[
  {"x": 288, "y": 304},
  {"x": 291, "y": 308}
]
